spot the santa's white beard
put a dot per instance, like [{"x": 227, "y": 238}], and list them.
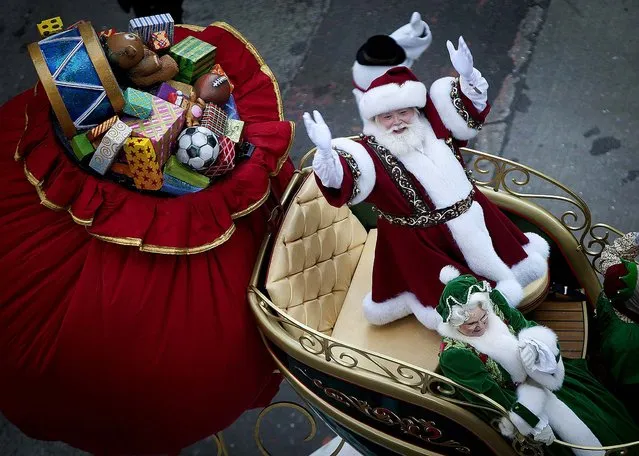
[{"x": 411, "y": 139}]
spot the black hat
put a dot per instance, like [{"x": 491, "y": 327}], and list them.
[{"x": 380, "y": 50}]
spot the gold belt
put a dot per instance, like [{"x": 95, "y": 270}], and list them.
[{"x": 430, "y": 218}]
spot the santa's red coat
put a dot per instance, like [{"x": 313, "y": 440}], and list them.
[{"x": 409, "y": 259}]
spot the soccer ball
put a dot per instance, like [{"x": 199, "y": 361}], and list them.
[{"x": 197, "y": 147}]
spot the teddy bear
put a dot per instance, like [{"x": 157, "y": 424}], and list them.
[{"x": 127, "y": 52}]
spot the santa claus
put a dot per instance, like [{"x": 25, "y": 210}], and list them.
[
  {"x": 492, "y": 349},
  {"x": 407, "y": 164}
]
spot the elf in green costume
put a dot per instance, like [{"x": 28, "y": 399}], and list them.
[
  {"x": 492, "y": 349},
  {"x": 618, "y": 314}
]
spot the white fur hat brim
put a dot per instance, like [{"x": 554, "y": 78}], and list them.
[{"x": 389, "y": 97}]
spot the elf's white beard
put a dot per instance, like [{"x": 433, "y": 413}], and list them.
[{"x": 411, "y": 139}]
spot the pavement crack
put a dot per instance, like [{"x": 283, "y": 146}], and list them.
[{"x": 512, "y": 98}]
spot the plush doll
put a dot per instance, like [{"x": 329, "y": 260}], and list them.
[{"x": 143, "y": 67}]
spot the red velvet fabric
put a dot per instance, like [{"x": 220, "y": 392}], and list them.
[{"x": 112, "y": 349}]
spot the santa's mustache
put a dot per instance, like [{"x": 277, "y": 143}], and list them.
[{"x": 402, "y": 126}]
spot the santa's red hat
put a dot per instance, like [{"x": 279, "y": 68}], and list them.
[{"x": 398, "y": 88}]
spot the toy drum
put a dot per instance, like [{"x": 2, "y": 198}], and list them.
[{"x": 77, "y": 78}]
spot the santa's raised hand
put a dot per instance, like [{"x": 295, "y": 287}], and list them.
[
  {"x": 472, "y": 83},
  {"x": 326, "y": 162},
  {"x": 461, "y": 58},
  {"x": 318, "y": 132}
]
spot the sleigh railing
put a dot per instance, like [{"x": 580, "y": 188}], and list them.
[
  {"x": 508, "y": 184},
  {"x": 364, "y": 365}
]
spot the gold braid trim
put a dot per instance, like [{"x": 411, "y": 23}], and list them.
[{"x": 461, "y": 109}]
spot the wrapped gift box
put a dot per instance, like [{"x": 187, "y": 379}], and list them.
[
  {"x": 145, "y": 26},
  {"x": 225, "y": 161},
  {"x": 97, "y": 132},
  {"x": 106, "y": 33},
  {"x": 162, "y": 128},
  {"x": 159, "y": 41},
  {"x": 143, "y": 164},
  {"x": 50, "y": 26},
  {"x": 194, "y": 57},
  {"x": 165, "y": 90},
  {"x": 137, "y": 103},
  {"x": 186, "y": 89},
  {"x": 81, "y": 146},
  {"x": 233, "y": 129},
  {"x": 175, "y": 186},
  {"x": 109, "y": 147},
  {"x": 214, "y": 118},
  {"x": 180, "y": 171}
]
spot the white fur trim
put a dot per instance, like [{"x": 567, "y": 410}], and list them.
[
  {"x": 448, "y": 273},
  {"x": 541, "y": 333},
  {"x": 497, "y": 343},
  {"x": 358, "y": 95},
  {"x": 506, "y": 427},
  {"x": 569, "y": 427},
  {"x": 534, "y": 398},
  {"x": 389, "y": 97},
  {"x": 537, "y": 244},
  {"x": 363, "y": 75},
  {"x": 445, "y": 181},
  {"x": 367, "y": 178},
  {"x": 547, "y": 336},
  {"x": 511, "y": 290},
  {"x": 426, "y": 315},
  {"x": 529, "y": 269},
  {"x": 381, "y": 313},
  {"x": 440, "y": 95}
]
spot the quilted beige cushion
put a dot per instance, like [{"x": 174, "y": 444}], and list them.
[
  {"x": 314, "y": 257},
  {"x": 406, "y": 339}
]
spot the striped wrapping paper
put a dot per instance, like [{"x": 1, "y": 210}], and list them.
[
  {"x": 97, "y": 132},
  {"x": 194, "y": 57},
  {"x": 145, "y": 26}
]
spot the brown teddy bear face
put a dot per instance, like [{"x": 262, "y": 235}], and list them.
[{"x": 125, "y": 49}]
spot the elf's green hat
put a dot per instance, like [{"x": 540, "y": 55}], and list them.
[
  {"x": 458, "y": 290},
  {"x": 620, "y": 280}
]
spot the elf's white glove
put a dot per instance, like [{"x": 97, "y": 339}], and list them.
[
  {"x": 472, "y": 83},
  {"x": 528, "y": 355},
  {"x": 537, "y": 356},
  {"x": 414, "y": 37},
  {"x": 326, "y": 162},
  {"x": 544, "y": 435}
]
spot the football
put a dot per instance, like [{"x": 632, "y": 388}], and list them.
[
  {"x": 213, "y": 88},
  {"x": 197, "y": 147}
]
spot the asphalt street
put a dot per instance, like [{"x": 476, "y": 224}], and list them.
[{"x": 562, "y": 84}]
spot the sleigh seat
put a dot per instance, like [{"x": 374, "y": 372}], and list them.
[{"x": 321, "y": 269}]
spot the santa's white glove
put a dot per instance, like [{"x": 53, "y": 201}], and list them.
[
  {"x": 326, "y": 162},
  {"x": 472, "y": 83},
  {"x": 414, "y": 37}
]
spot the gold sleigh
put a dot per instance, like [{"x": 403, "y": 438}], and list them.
[{"x": 379, "y": 387}]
